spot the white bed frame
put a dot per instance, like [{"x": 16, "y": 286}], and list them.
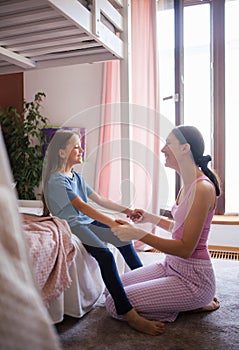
[{"x": 48, "y": 33}]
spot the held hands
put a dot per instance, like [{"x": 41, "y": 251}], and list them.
[
  {"x": 138, "y": 216},
  {"x": 126, "y": 231}
]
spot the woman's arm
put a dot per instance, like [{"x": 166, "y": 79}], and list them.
[
  {"x": 200, "y": 203},
  {"x": 108, "y": 204},
  {"x": 88, "y": 210}
]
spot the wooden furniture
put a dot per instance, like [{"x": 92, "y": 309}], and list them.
[{"x": 226, "y": 219}]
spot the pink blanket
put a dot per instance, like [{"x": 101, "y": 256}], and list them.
[{"x": 51, "y": 251}]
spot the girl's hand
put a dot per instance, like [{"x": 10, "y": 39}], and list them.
[
  {"x": 126, "y": 231},
  {"x": 128, "y": 212},
  {"x": 139, "y": 216},
  {"x": 136, "y": 215}
]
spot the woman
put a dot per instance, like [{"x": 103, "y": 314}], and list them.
[
  {"x": 66, "y": 196},
  {"x": 185, "y": 280}
]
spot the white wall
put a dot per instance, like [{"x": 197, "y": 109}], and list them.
[
  {"x": 73, "y": 97},
  {"x": 224, "y": 235},
  {"x": 220, "y": 235}
]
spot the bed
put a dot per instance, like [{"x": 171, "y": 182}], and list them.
[
  {"x": 25, "y": 323},
  {"x": 48, "y": 33},
  {"x": 67, "y": 277}
]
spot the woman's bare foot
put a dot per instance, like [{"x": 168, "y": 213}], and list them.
[
  {"x": 143, "y": 325},
  {"x": 212, "y": 306}
]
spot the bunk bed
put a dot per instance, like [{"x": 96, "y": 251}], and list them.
[{"x": 48, "y": 33}]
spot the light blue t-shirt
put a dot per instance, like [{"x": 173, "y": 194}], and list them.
[{"x": 61, "y": 191}]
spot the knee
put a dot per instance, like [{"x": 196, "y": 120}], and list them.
[{"x": 104, "y": 256}]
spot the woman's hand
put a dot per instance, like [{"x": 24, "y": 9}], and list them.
[
  {"x": 126, "y": 231},
  {"x": 116, "y": 223}
]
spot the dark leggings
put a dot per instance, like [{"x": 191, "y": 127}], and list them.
[{"x": 93, "y": 237}]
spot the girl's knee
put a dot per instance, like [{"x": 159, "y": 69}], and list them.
[{"x": 104, "y": 255}]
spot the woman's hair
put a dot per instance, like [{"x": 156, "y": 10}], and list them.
[
  {"x": 53, "y": 162},
  {"x": 192, "y": 136}
]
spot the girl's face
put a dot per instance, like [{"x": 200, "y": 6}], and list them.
[
  {"x": 73, "y": 151},
  {"x": 172, "y": 151}
]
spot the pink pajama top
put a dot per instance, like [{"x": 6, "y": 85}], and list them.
[{"x": 179, "y": 213}]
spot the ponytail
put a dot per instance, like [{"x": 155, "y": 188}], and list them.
[{"x": 202, "y": 162}]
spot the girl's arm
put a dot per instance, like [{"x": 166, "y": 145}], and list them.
[
  {"x": 88, "y": 210},
  {"x": 108, "y": 204},
  {"x": 138, "y": 214},
  {"x": 200, "y": 203},
  {"x": 141, "y": 216}
]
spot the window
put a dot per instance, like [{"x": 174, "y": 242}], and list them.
[
  {"x": 197, "y": 70},
  {"x": 206, "y": 56},
  {"x": 231, "y": 105},
  {"x": 167, "y": 88}
]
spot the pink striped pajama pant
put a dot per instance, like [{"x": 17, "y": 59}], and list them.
[{"x": 161, "y": 290}]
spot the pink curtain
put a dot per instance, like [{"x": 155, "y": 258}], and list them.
[
  {"x": 144, "y": 59},
  {"x": 145, "y": 97},
  {"x": 145, "y": 94},
  {"x": 108, "y": 169},
  {"x": 145, "y": 114}
]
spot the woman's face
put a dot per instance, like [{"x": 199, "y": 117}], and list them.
[
  {"x": 172, "y": 151},
  {"x": 73, "y": 151}
]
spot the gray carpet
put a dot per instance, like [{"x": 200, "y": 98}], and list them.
[{"x": 218, "y": 330}]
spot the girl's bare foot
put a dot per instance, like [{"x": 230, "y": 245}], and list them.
[
  {"x": 212, "y": 306},
  {"x": 143, "y": 325}
]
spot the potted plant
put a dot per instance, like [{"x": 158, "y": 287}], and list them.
[{"x": 24, "y": 141}]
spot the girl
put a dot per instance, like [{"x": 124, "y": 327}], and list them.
[
  {"x": 185, "y": 280},
  {"x": 66, "y": 196}
]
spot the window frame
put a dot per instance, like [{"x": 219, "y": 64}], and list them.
[{"x": 217, "y": 24}]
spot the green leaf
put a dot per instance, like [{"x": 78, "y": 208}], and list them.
[{"x": 24, "y": 140}]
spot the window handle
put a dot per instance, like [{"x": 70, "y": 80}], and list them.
[{"x": 172, "y": 97}]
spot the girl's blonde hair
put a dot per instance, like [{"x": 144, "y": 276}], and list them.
[{"x": 53, "y": 162}]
